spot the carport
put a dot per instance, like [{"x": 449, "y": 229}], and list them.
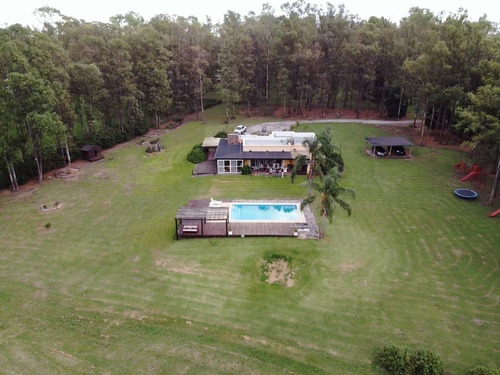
[{"x": 388, "y": 143}]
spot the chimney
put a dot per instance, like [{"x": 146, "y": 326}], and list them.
[{"x": 233, "y": 139}]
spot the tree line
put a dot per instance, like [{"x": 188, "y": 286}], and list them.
[{"x": 75, "y": 82}]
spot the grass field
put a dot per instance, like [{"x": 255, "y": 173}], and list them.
[{"x": 107, "y": 289}]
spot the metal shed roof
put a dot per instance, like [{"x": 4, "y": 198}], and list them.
[{"x": 388, "y": 141}]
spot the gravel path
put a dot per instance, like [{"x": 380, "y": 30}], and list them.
[{"x": 286, "y": 125}]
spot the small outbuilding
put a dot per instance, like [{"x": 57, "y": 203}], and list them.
[
  {"x": 91, "y": 153},
  {"x": 388, "y": 146}
]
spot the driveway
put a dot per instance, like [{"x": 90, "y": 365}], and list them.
[{"x": 286, "y": 125}]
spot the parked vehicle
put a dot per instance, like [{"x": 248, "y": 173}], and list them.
[
  {"x": 240, "y": 129},
  {"x": 380, "y": 151},
  {"x": 398, "y": 151}
]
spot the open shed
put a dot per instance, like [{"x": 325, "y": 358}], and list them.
[
  {"x": 91, "y": 153},
  {"x": 388, "y": 143}
]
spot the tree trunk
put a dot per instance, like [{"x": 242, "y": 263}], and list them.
[
  {"x": 422, "y": 125},
  {"x": 430, "y": 127},
  {"x": 494, "y": 189},
  {"x": 323, "y": 224},
  {"x": 201, "y": 99},
  {"x": 267, "y": 82},
  {"x": 400, "y": 103},
  {"x": 67, "y": 153},
  {"x": 441, "y": 131},
  {"x": 12, "y": 176},
  {"x": 36, "y": 152}
]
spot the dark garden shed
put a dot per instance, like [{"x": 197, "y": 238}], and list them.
[{"x": 91, "y": 152}]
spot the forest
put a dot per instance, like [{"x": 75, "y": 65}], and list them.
[{"x": 74, "y": 82}]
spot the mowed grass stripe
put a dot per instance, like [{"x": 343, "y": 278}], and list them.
[{"x": 412, "y": 265}]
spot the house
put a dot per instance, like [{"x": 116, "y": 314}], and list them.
[
  {"x": 91, "y": 153},
  {"x": 275, "y": 151}
]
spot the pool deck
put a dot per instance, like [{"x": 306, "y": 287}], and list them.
[{"x": 198, "y": 226}]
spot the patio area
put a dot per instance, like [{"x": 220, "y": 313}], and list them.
[{"x": 200, "y": 218}]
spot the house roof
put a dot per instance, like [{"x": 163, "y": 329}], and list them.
[
  {"x": 210, "y": 142},
  {"x": 277, "y": 138},
  {"x": 89, "y": 147},
  {"x": 388, "y": 141},
  {"x": 227, "y": 151}
]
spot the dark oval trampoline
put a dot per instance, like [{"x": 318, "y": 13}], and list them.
[{"x": 466, "y": 193}]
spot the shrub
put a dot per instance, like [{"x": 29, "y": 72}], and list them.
[
  {"x": 400, "y": 360},
  {"x": 246, "y": 169},
  {"x": 196, "y": 155},
  {"x": 394, "y": 359},
  {"x": 221, "y": 134},
  {"x": 483, "y": 370},
  {"x": 48, "y": 225},
  {"x": 425, "y": 362}
]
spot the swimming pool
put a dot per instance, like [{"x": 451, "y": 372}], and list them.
[{"x": 266, "y": 212}]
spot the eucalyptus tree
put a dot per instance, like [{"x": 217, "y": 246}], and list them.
[
  {"x": 383, "y": 36},
  {"x": 335, "y": 25},
  {"x": 419, "y": 32},
  {"x": 300, "y": 51},
  {"x": 35, "y": 86},
  {"x": 150, "y": 62},
  {"x": 87, "y": 90},
  {"x": 236, "y": 62},
  {"x": 264, "y": 29},
  {"x": 330, "y": 194},
  {"x": 479, "y": 119},
  {"x": 12, "y": 138},
  {"x": 33, "y": 106},
  {"x": 190, "y": 58},
  {"x": 361, "y": 55},
  {"x": 121, "y": 105},
  {"x": 201, "y": 64}
]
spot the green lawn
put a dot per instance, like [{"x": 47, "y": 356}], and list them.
[{"x": 107, "y": 289}]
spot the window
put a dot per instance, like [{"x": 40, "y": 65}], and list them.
[{"x": 229, "y": 166}]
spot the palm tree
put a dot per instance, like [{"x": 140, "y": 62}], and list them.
[
  {"x": 330, "y": 191},
  {"x": 323, "y": 157},
  {"x": 316, "y": 158}
]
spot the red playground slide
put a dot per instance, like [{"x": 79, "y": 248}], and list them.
[
  {"x": 494, "y": 213},
  {"x": 473, "y": 173}
]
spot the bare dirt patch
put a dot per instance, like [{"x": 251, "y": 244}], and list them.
[
  {"x": 349, "y": 267},
  {"x": 478, "y": 321},
  {"x": 278, "y": 271},
  {"x": 67, "y": 172},
  {"x": 175, "y": 266}
]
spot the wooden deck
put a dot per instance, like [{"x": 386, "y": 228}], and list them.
[
  {"x": 210, "y": 229},
  {"x": 198, "y": 220},
  {"x": 263, "y": 229}
]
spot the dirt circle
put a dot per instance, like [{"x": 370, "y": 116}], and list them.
[
  {"x": 67, "y": 172},
  {"x": 278, "y": 271}
]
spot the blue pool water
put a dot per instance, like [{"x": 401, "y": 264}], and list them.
[{"x": 265, "y": 212}]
